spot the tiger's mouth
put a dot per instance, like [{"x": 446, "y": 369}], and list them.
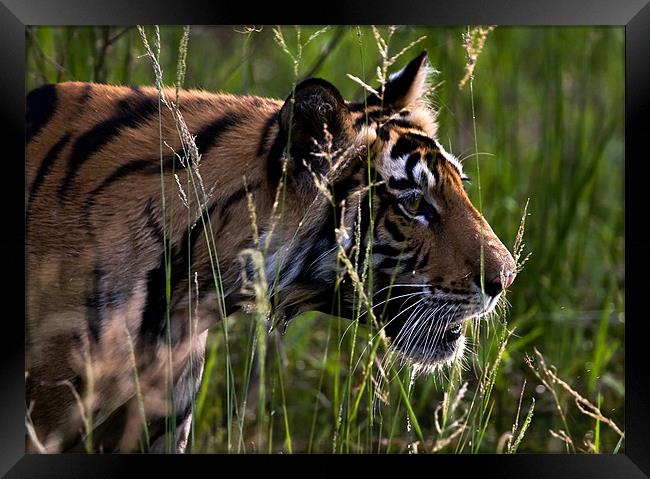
[
  {"x": 452, "y": 333},
  {"x": 430, "y": 350},
  {"x": 425, "y": 328},
  {"x": 435, "y": 338}
]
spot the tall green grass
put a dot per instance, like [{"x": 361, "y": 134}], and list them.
[{"x": 543, "y": 121}]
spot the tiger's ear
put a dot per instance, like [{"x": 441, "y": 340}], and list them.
[
  {"x": 407, "y": 86},
  {"x": 317, "y": 105}
]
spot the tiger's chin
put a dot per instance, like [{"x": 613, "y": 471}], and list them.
[
  {"x": 426, "y": 361},
  {"x": 427, "y": 358}
]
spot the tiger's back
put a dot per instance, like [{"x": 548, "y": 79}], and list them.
[{"x": 95, "y": 156}]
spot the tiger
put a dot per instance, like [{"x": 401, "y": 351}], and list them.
[{"x": 121, "y": 251}]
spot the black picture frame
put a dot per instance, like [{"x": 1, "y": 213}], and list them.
[{"x": 633, "y": 14}]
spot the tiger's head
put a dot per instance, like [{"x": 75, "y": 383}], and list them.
[{"x": 434, "y": 260}]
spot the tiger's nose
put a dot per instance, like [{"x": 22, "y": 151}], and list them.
[{"x": 499, "y": 283}]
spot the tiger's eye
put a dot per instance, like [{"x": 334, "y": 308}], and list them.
[
  {"x": 416, "y": 206},
  {"x": 412, "y": 204}
]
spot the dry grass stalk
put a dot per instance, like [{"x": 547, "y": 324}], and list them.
[
  {"x": 138, "y": 388},
  {"x": 336, "y": 160},
  {"x": 387, "y": 60},
  {"x": 246, "y": 30},
  {"x": 252, "y": 213},
  {"x": 31, "y": 431},
  {"x": 473, "y": 42},
  {"x": 556, "y": 398},
  {"x": 519, "y": 245},
  {"x": 448, "y": 432},
  {"x": 342, "y": 237},
  {"x": 190, "y": 150},
  {"x": 584, "y": 405},
  {"x": 512, "y": 447},
  {"x": 548, "y": 377},
  {"x": 562, "y": 436}
]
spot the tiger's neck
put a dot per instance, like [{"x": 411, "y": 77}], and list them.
[{"x": 266, "y": 235}]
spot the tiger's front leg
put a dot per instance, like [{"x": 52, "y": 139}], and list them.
[{"x": 184, "y": 391}]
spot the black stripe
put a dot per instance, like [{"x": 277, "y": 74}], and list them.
[
  {"x": 369, "y": 117},
  {"x": 385, "y": 249},
  {"x": 257, "y": 101},
  {"x": 409, "y": 263},
  {"x": 93, "y": 305},
  {"x": 373, "y": 100},
  {"x": 182, "y": 256},
  {"x": 364, "y": 227},
  {"x": 131, "y": 112},
  {"x": 206, "y": 139},
  {"x": 224, "y": 219},
  {"x": 41, "y": 103},
  {"x": 266, "y": 131},
  {"x": 433, "y": 163},
  {"x": 207, "y": 216},
  {"x": 102, "y": 296},
  {"x": 384, "y": 201},
  {"x": 153, "y": 316},
  {"x": 401, "y": 122},
  {"x": 121, "y": 172},
  {"x": 208, "y": 136},
  {"x": 403, "y": 146},
  {"x": 189, "y": 242},
  {"x": 224, "y": 211},
  {"x": 423, "y": 262},
  {"x": 408, "y": 142},
  {"x": 46, "y": 165},
  {"x": 274, "y": 160},
  {"x": 389, "y": 263},
  {"x": 374, "y": 174},
  {"x": 328, "y": 227},
  {"x": 342, "y": 187},
  {"x": 356, "y": 106},
  {"x": 410, "y": 164},
  {"x": 85, "y": 95},
  {"x": 393, "y": 230},
  {"x": 235, "y": 197},
  {"x": 152, "y": 223},
  {"x": 422, "y": 139},
  {"x": 325, "y": 237},
  {"x": 401, "y": 183},
  {"x": 384, "y": 133}
]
